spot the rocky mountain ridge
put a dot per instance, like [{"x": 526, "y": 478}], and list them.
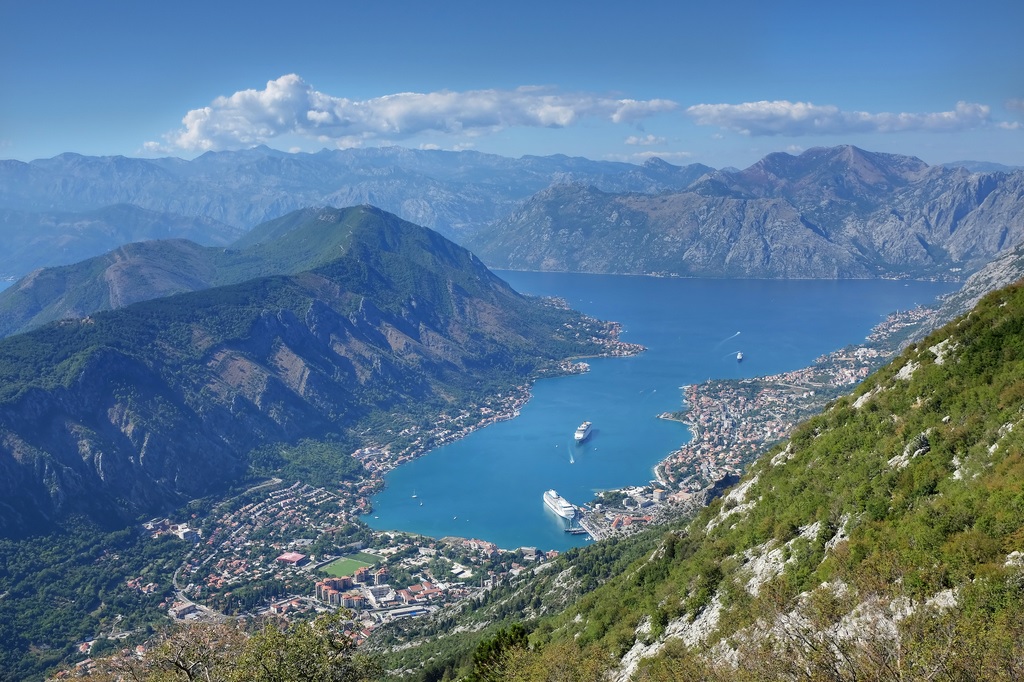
[{"x": 827, "y": 213}]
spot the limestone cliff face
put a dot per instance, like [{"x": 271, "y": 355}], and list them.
[
  {"x": 115, "y": 441},
  {"x": 132, "y": 410},
  {"x": 828, "y": 213}
]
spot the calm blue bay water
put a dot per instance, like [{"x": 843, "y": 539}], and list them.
[{"x": 489, "y": 485}]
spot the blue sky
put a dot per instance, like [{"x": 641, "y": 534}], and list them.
[{"x": 721, "y": 85}]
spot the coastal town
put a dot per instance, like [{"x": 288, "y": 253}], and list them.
[
  {"x": 291, "y": 550},
  {"x": 732, "y": 422}
]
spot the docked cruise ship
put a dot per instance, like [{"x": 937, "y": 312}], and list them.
[
  {"x": 559, "y": 505},
  {"x": 582, "y": 432}
]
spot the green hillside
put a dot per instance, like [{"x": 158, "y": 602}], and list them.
[
  {"x": 884, "y": 540},
  {"x": 298, "y": 242}
]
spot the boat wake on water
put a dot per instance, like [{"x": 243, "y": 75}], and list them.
[{"x": 725, "y": 340}]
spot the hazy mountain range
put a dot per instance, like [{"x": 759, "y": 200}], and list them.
[
  {"x": 48, "y": 238},
  {"x": 452, "y": 192}
]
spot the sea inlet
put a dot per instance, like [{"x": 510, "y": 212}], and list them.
[{"x": 490, "y": 484}]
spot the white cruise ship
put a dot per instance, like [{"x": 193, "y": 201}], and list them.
[
  {"x": 582, "y": 432},
  {"x": 559, "y": 505}
]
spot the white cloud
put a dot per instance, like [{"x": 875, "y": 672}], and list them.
[
  {"x": 1015, "y": 106},
  {"x": 629, "y": 110},
  {"x": 645, "y": 141},
  {"x": 804, "y": 118},
  {"x": 290, "y": 106}
]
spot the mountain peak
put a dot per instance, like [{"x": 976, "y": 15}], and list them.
[
  {"x": 656, "y": 162},
  {"x": 851, "y": 172},
  {"x": 300, "y": 241}
]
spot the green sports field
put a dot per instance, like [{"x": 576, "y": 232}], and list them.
[{"x": 347, "y": 565}]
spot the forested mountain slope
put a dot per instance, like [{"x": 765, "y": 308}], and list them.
[
  {"x": 135, "y": 272},
  {"x": 387, "y": 325}
]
